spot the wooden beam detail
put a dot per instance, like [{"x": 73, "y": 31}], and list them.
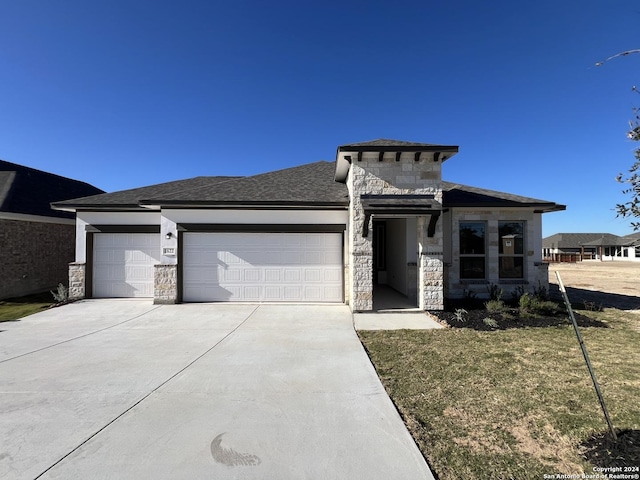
[
  {"x": 365, "y": 225},
  {"x": 417, "y": 156},
  {"x": 431, "y": 229},
  {"x": 436, "y": 156},
  {"x": 398, "y": 156},
  {"x": 380, "y": 156},
  {"x": 359, "y": 156}
]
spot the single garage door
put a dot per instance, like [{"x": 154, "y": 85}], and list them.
[
  {"x": 262, "y": 267},
  {"x": 123, "y": 264}
]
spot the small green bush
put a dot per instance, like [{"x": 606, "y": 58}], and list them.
[
  {"x": 495, "y": 292},
  {"x": 531, "y": 306},
  {"x": 460, "y": 315},
  {"x": 62, "y": 294},
  {"x": 495, "y": 306},
  {"x": 517, "y": 293},
  {"x": 490, "y": 322},
  {"x": 541, "y": 292}
]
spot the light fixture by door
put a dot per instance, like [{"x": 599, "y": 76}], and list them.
[{"x": 168, "y": 236}]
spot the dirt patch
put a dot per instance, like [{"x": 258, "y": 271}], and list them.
[
  {"x": 553, "y": 449},
  {"x": 593, "y": 284}
]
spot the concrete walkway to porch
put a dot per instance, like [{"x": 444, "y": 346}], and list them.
[
  {"x": 393, "y": 311},
  {"x": 394, "y": 321}
]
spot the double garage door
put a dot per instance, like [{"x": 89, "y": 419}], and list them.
[
  {"x": 225, "y": 266},
  {"x": 262, "y": 267}
]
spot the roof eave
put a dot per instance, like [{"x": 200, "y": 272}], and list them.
[
  {"x": 538, "y": 207},
  {"x": 399, "y": 148},
  {"x": 343, "y": 161},
  {"x": 243, "y": 205},
  {"x": 75, "y": 207}
]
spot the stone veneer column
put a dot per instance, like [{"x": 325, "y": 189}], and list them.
[
  {"x": 394, "y": 175},
  {"x": 77, "y": 272},
  {"x": 542, "y": 274},
  {"x": 360, "y": 248},
  {"x": 165, "y": 284},
  {"x": 430, "y": 267}
]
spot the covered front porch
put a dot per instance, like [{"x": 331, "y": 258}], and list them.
[{"x": 399, "y": 266}]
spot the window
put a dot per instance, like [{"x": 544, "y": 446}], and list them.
[
  {"x": 472, "y": 250},
  {"x": 511, "y": 249}
]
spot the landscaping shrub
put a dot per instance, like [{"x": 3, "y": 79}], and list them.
[
  {"x": 541, "y": 292},
  {"x": 62, "y": 294},
  {"x": 530, "y": 306},
  {"x": 517, "y": 293},
  {"x": 495, "y": 292},
  {"x": 495, "y": 306},
  {"x": 461, "y": 315}
]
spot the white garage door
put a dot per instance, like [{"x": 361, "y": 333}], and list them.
[
  {"x": 262, "y": 267},
  {"x": 123, "y": 264}
]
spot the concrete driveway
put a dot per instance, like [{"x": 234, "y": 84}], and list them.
[{"x": 124, "y": 389}]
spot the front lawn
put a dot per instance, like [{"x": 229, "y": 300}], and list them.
[
  {"x": 515, "y": 402},
  {"x": 15, "y": 308}
]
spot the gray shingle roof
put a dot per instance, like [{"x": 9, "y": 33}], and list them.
[
  {"x": 457, "y": 195},
  {"x": 577, "y": 240},
  {"x": 310, "y": 184},
  {"x": 25, "y": 190},
  {"x": 305, "y": 184},
  {"x": 633, "y": 237},
  {"x": 131, "y": 198},
  {"x": 386, "y": 142}
]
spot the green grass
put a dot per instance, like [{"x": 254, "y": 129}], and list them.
[
  {"x": 513, "y": 403},
  {"x": 15, "y": 308}
]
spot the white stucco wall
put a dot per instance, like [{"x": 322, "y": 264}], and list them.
[
  {"x": 314, "y": 217},
  {"x": 168, "y": 220},
  {"x": 172, "y": 217},
  {"x": 108, "y": 218}
]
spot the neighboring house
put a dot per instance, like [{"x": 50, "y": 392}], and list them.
[
  {"x": 380, "y": 215},
  {"x": 590, "y": 246},
  {"x": 37, "y": 242}
]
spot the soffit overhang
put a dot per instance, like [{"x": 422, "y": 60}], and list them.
[{"x": 347, "y": 154}]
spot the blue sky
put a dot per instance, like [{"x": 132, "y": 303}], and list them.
[{"x": 123, "y": 94}]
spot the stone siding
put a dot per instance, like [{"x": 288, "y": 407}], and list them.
[
  {"x": 77, "y": 280},
  {"x": 165, "y": 284},
  {"x": 387, "y": 177},
  {"x": 34, "y": 256},
  {"x": 431, "y": 267}
]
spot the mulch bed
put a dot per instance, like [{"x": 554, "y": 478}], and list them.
[
  {"x": 475, "y": 317},
  {"x": 602, "y": 451}
]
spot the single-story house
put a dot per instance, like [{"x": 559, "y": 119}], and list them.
[
  {"x": 37, "y": 241},
  {"x": 591, "y": 246},
  {"x": 379, "y": 216}
]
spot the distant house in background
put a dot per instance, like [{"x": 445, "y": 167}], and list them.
[
  {"x": 574, "y": 247},
  {"x": 37, "y": 242}
]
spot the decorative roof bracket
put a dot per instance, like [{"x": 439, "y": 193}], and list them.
[{"x": 431, "y": 229}]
